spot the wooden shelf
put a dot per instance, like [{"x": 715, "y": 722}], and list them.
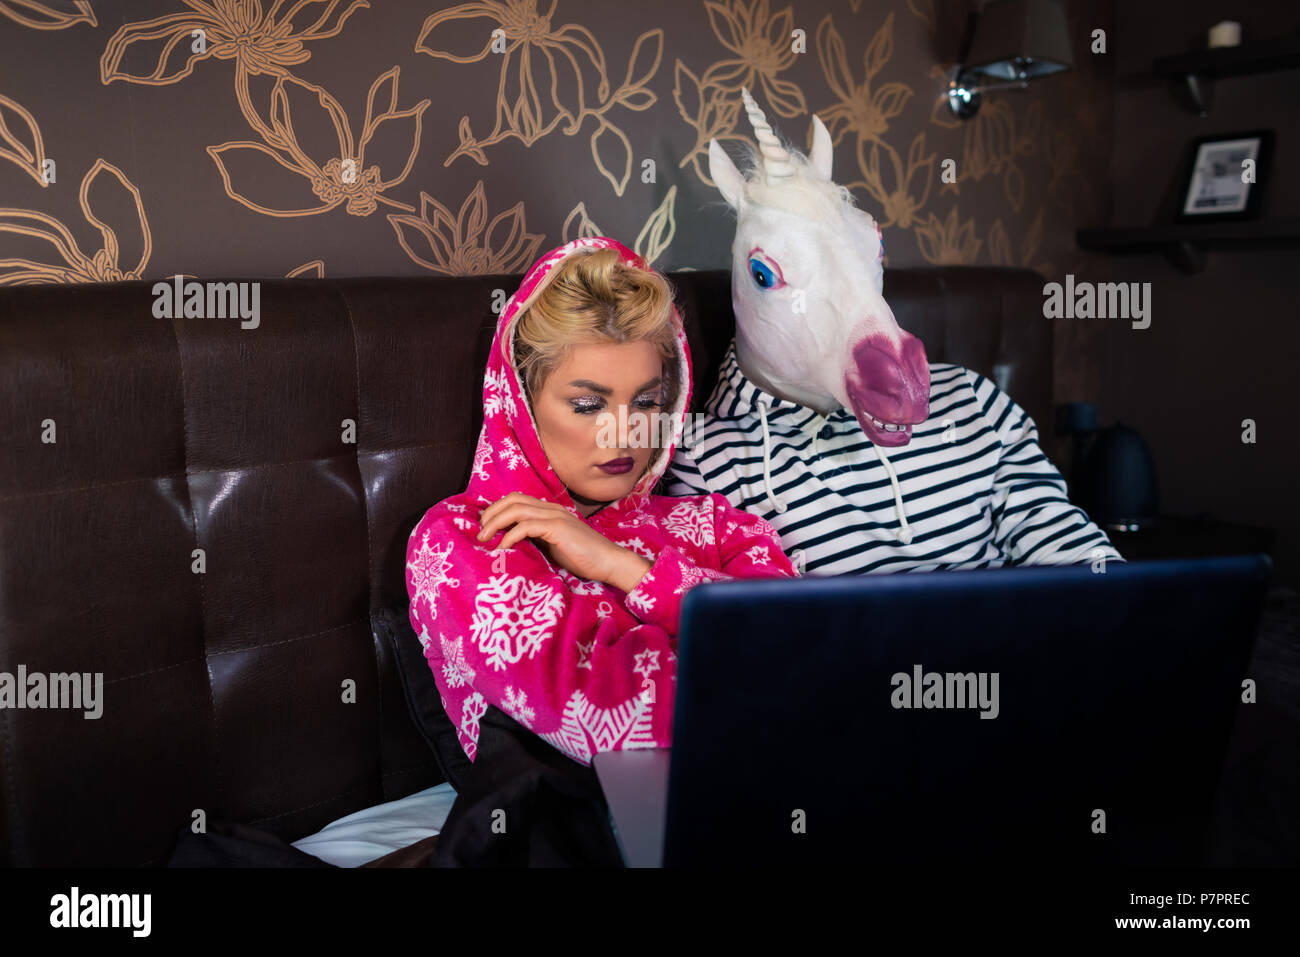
[
  {"x": 1185, "y": 243},
  {"x": 1194, "y": 73},
  {"x": 1262, "y": 56}
]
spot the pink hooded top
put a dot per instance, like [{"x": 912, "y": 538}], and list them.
[{"x": 580, "y": 663}]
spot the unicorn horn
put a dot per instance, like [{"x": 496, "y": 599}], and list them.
[{"x": 775, "y": 158}]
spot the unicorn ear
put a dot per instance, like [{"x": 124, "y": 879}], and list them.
[
  {"x": 821, "y": 148},
  {"x": 730, "y": 183}
]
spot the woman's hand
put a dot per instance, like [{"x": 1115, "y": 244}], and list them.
[{"x": 569, "y": 541}]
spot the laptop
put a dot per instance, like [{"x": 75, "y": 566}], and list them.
[{"x": 1045, "y": 714}]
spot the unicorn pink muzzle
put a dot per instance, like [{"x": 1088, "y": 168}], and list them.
[{"x": 889, "y": 389}]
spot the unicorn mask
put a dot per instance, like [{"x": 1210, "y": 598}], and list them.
[{"x": 812, "y": 325}]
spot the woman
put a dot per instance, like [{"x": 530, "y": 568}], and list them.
[{"x": 551, "y": 588}]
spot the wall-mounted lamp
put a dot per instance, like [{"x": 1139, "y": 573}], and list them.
[{"x": 1015, "y": 40}]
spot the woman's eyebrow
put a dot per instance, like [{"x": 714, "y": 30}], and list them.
[
  {"x": 588, "y": 384},
  {"x": 606, "y": 390}
]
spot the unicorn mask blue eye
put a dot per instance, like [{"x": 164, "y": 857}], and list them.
[{"x": 764, "y": 275}]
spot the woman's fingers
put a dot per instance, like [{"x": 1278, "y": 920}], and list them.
[
  {"x": 504, "y": 502},
  {"x": 563, "y": 541},
  {"x": 507, "y": 516},
  {"x": 522, "y": 530},
  {"x": 493, "y": 511},
  {"x": 543, "y": 529},
  {"x": 514, "y": 498},
  {"x": 512, "y": 513}
]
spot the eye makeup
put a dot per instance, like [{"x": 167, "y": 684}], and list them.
[{"x": 585, "y": 405}]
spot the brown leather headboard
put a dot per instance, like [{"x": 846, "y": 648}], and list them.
[{"x": 224, "y": 691}]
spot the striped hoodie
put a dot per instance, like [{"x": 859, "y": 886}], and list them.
[{"x": 972, "y": 489}]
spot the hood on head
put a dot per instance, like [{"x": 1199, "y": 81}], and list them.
[{"x": 509, "y": 456}]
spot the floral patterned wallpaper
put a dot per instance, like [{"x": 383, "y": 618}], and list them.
[{"x": 257, "y": 138}]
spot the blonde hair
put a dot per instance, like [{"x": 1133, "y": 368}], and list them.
[{"x": 596, "y": 298}]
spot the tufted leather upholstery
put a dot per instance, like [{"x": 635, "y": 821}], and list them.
[{"x": 223, "y": 691}]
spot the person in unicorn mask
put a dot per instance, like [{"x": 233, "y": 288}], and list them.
[{"x": 820, "y": 386}]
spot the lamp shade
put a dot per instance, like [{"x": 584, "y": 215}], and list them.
[{"x": 1020, "y": 39}]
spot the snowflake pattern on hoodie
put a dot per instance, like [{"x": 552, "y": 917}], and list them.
[{"x": 583, "y": 665}]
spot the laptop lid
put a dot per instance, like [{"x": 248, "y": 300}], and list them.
[{"x": 1032, "y": 713}]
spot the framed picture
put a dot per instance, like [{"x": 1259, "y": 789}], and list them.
[{"x": 1217, "y": 185}]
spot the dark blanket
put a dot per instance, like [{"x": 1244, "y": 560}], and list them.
[
  {"x": 230, "y": 844},
  {"x": 525, "y": 804},
  {"x": 522, "y": 804}
]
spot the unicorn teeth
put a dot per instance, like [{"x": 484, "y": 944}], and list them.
[{"x": 888, "y": 426}]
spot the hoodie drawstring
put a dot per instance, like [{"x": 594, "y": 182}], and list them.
[
  {"x": 776, "y": 503},
  {"x": 904, "y": 530},
  {"x": 904, "y": 533}
]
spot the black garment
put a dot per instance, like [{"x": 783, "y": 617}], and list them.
[
  {"x": 555, "y": 813},
  {"x": 229, "y": 844}
]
